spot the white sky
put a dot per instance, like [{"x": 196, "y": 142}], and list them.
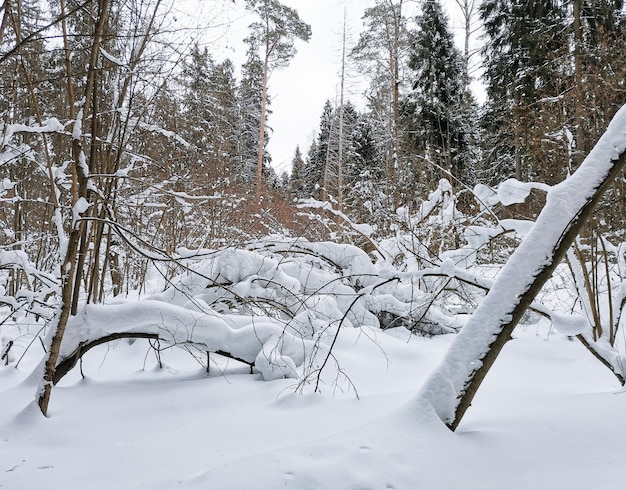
[{"x": 299, "y": 91}]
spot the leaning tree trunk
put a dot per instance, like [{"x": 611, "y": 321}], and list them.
[
  {"x": 452, "y": 386},
  {"x": 69, "y": 272}
]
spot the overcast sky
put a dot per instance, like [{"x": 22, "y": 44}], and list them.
[{"x": 299, "y": 91}]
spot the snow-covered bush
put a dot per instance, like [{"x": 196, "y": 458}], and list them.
[{"x": 26, "y": 296}]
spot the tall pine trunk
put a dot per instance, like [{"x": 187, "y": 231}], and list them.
[{"x": 259, "y": 168}]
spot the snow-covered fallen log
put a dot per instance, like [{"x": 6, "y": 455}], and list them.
[
  {"x": 252, "y": 340},
  {"x": 268, "y": 305}
]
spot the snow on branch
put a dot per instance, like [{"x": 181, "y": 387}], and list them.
[
  {"x": 245, "y": 339},
  {"x": 52, "y": 125}
]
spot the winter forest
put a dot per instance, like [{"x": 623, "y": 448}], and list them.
[{"x": 429, "y": 296}]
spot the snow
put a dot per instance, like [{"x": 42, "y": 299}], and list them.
[
  {"x": 513, "y": 191},
  {"x": 569, "y": 324},
  {"x": 52, "y": 125},
  {"x": 327, "y": 405},
  {"x": 5, "y": 185},
  {"x": 362, "y": 228},
  {"x": 77, "y": 130},
  {"x": 549, "y": 417},
  {"x": 521, "y": 226},
  {"x": 113, "y": 59},
  {"x": 448, "y": 267},
  {"x": 486, "y": 196},
  {"x": 79, "y": 207},
  {"x": 243, "y": 338},
  {"x": 291, "y": 382}
]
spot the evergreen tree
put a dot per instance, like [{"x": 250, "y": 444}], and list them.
[
  {"x": 435, "y": 107},
  {"x": 333, "y": 145},
  {"x": 381, "y": 53},
  {"x": 361, "y": 191},
  {"x": 599, "y": 35},
  {"x": 598, "y": 32},
  {"x": 318, "y": 155},
  {"x": 525, "y": 62},
  {"x": 249, "y": 97},
  {"x": 346, "y": 155},
  {"x": 547, "y": 62},
  {"x": 211, "y": 112},
  {"x": 365, "y": 197},
  {"x": 297, "y": 180}
]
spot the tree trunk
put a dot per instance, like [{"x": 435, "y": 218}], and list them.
[
  {"x": 452, "y": 386},
  {"x": 259, "y": 168},
  {"x": 62, "y": 318},
  {"x": 341, "y": 118},
  {"x": 68, "y": 266},
  {"x": 578, "y": 78}
]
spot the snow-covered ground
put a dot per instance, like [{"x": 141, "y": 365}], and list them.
[{"x": 548, "y": 416}]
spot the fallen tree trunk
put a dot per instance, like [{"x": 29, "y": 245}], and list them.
[
  {"x": 68, "y": 363},
  {"x": 451, "y": 387},
  {"x": 602, "y": 354},
  {"x": 241, "y": 338}
]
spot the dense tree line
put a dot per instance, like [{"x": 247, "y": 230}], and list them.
[
  {"x": 553, "y": 80},
  {"x": 552, "y": 74},
  {"x": 176, "y": 135}
]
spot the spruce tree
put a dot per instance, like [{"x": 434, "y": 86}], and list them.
[
  {"x": 525, "y": 57},
  {"x": 313, "y": 173},
  {"x": 366, "y": 201},
  {"x": 211, "y": 118},
  {"x": 435, "y": 107},
  {"x": 249, "y": 99},
  {"x": 297, "y": 181},
  {"x": 319, "y": 154}
]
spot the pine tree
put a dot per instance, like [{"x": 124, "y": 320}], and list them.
[
  {"x": 274, "y": 36},
  {"x": 381, "y": 53}
]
